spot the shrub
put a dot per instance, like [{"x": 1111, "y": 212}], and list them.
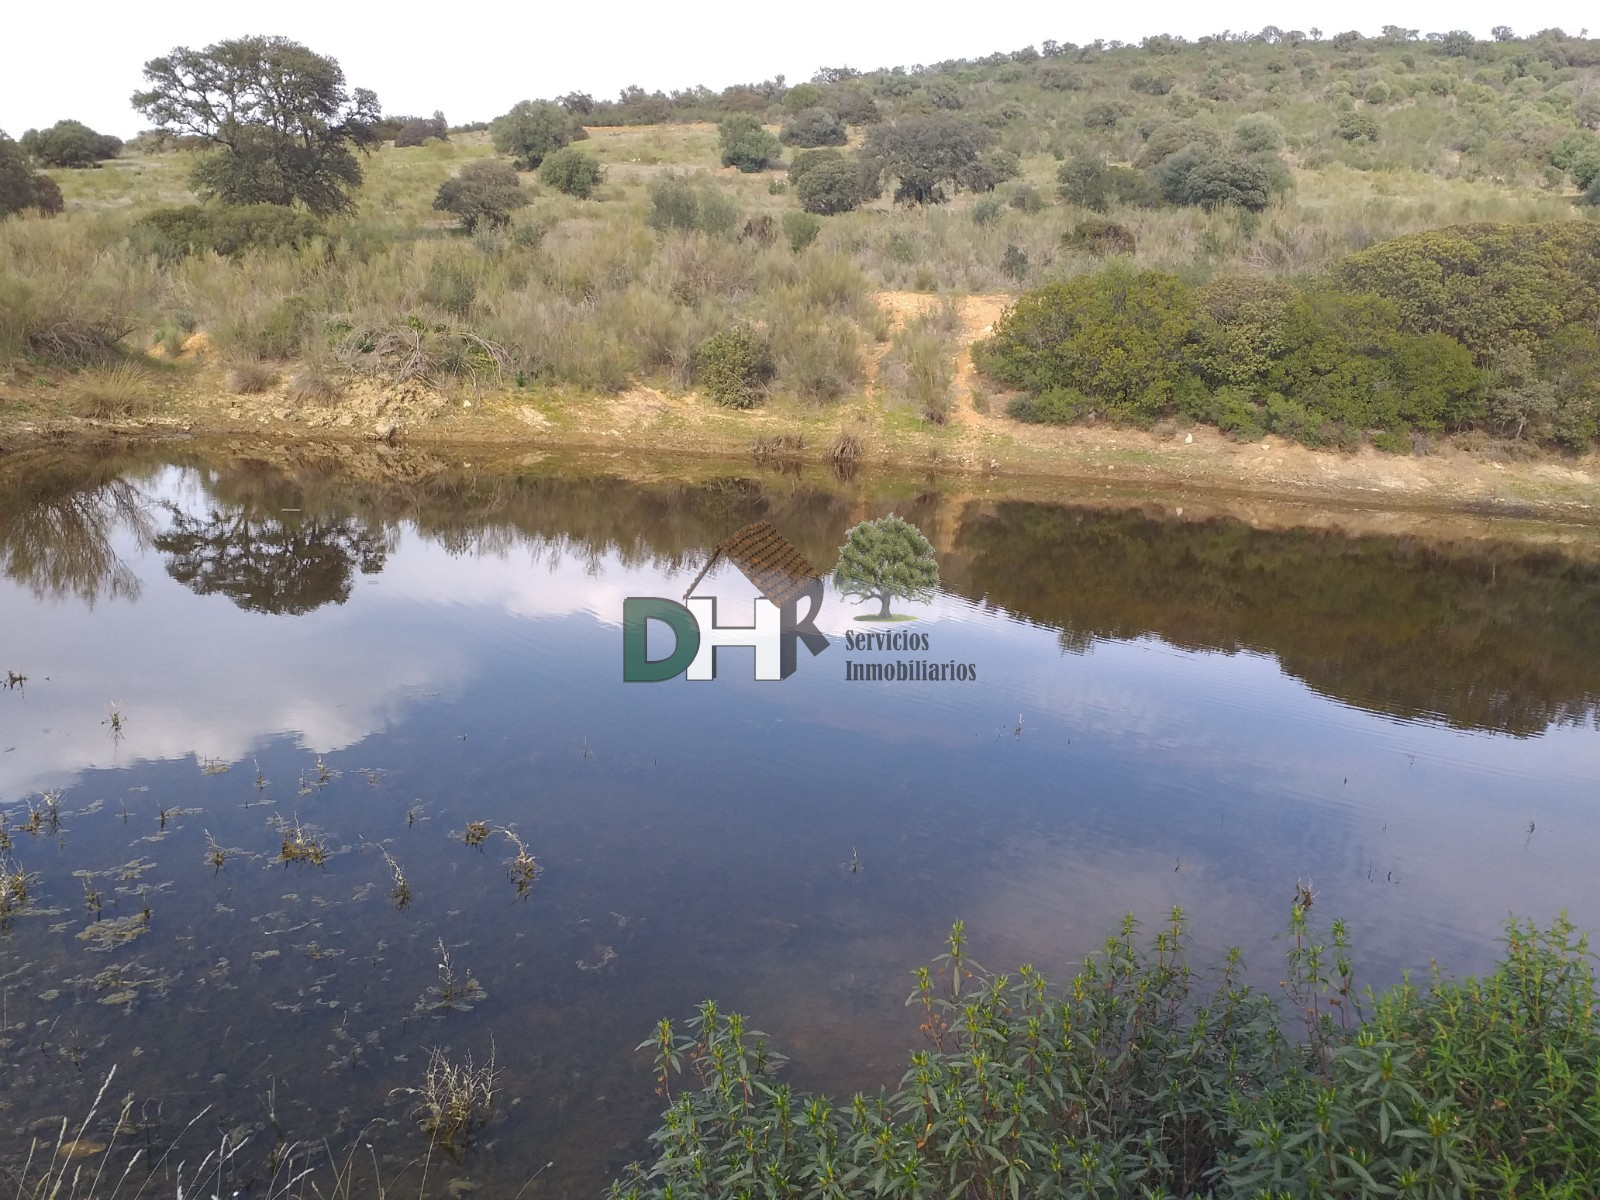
[
  {"x": 1117, "y": 336},
  {"x": 1145, "y": 1071},
  {"x": 534, "y": 129},
  {"x": 676, "y": 204},
  {"x": 21, "y": 187},
  {"x": 813, "y": 127},
  {"x": 286, "y": 330},
  {"x": 987, "y": 211},
  {"x": 733, "y": 367},
  {"x": 1083, "y": 180},
  {"x": 819, "y": 359},
  {"x": 746, "y": 145},
  {"x": 1257, "y": 134},
  {"x": 484, "y": 193},
  {"x": 1210, "y": 179},
  {"x": 1485, "y": 285},
  {"x": 1026, "y": 198},
  {"x": 1061, "y": 79},
  {"x": 69, "y": 144},
  {"x": 174, "y": 233},
  {"x": 828, "y": 187},
  {"x": 918, "y": 368},
  {"x": 806, "y": 159},
  {"x": 1014, "y": 263},
  {"x": 1103, "y": 116},
  {"x": 571, "y": 171},
  {"x": 1101, "y": 237},
  {"x": 414, "y": 131},
  {"x": 800, "y": 229},
  {"x": 1356, "y": 127},
  {"x": 853, "y": 106},
  {"x": 1056, "y": 406},
  {"x": 1169, "y": 138},
  {"x": 249, "y": 377},
  {"x": 1151, "y": 83},
  {"x": 801, "y": 97},
  {"x": 104, "y": 393}
]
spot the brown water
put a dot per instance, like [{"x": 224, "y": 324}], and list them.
[{"x": 1167, "y": 711}]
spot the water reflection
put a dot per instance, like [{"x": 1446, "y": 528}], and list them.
[
  {"x": 56, "y": 527},
  {"x": 1152, "y": 725}
]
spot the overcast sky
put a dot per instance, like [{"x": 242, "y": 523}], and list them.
[{"x": 475, "y": 61}]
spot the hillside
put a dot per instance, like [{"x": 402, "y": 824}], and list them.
[{"x": 578, "y": 306}]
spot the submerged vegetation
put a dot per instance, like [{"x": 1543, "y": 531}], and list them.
[{"x": 1145, "y": 1076}]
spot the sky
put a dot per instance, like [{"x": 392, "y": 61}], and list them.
[{"x": 475, "y": 63}]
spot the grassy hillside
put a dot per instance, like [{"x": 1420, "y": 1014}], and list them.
[{"x": 586, "y": 297}]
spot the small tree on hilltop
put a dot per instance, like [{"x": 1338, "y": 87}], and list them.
[
  {"x": 486, "y": 192},
  {"x": 534, "y": 129},
  {"x": 746, "y": 145},
  {"x": 886, "y": 558}
]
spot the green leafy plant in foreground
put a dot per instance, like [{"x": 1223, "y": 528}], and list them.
[{"x": 1147, "y": 1078}]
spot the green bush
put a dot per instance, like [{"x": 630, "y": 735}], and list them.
[
  {"x": 1486, "y": 285},
  {"x": 830, "y": 186},
  {"x": 800, "y": 229},
  {"x": 414, "y": 131},
  {"x": 287, "y": 329},
  {"x": 174, "y": 233},
  {"x": 806, "y": 159},
  {"x": 813, "y": 127},
  {"x": 1055, "y": 406},
  {"x": 1117, "y": 336},
  {"x": 571, "y": 171},
  {"x": 733, "y": 367},
  {"x": 1170, "y": 138},
  {"x": 486, "y": 192},
  {"x": 1258, "y": 134},
  {"x": 1210, "y": 179},
  {"x": 746, "y": 145},
  {"x": 1147, "y": 1077},
  {"x": 1356, "y": 127},
  {"x": 69, "y": 144},
  {"x": 1099, "y": 236},
  {"x": 677, "y": 204},
  {"x": 21, "y": 187},
  {"x": 534, "y": 129}
]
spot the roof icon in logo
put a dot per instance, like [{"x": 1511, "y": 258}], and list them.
[{"x": 778, "y": 571}]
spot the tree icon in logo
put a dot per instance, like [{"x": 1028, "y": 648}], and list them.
[{"x": 883, "y": 559}]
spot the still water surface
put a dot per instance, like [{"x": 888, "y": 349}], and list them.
[{"x": 1166, "y": 712}]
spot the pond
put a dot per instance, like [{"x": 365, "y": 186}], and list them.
[{"x": 404, "y": 672}]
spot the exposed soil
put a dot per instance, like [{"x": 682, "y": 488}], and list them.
[{"x": 977, "y": 439}]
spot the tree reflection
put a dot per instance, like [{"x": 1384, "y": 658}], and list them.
[
  {"x": 282, "y": 562},
  {"x": 57, "y": 535}
]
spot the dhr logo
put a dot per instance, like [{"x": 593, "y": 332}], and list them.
[{"x": 783, "y": 578}]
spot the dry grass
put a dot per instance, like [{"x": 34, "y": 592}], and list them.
[
  {"x": 454, "y": 1100},
  {"x": 104, "y": 393},
  {"x": 248, "y": 377}
]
